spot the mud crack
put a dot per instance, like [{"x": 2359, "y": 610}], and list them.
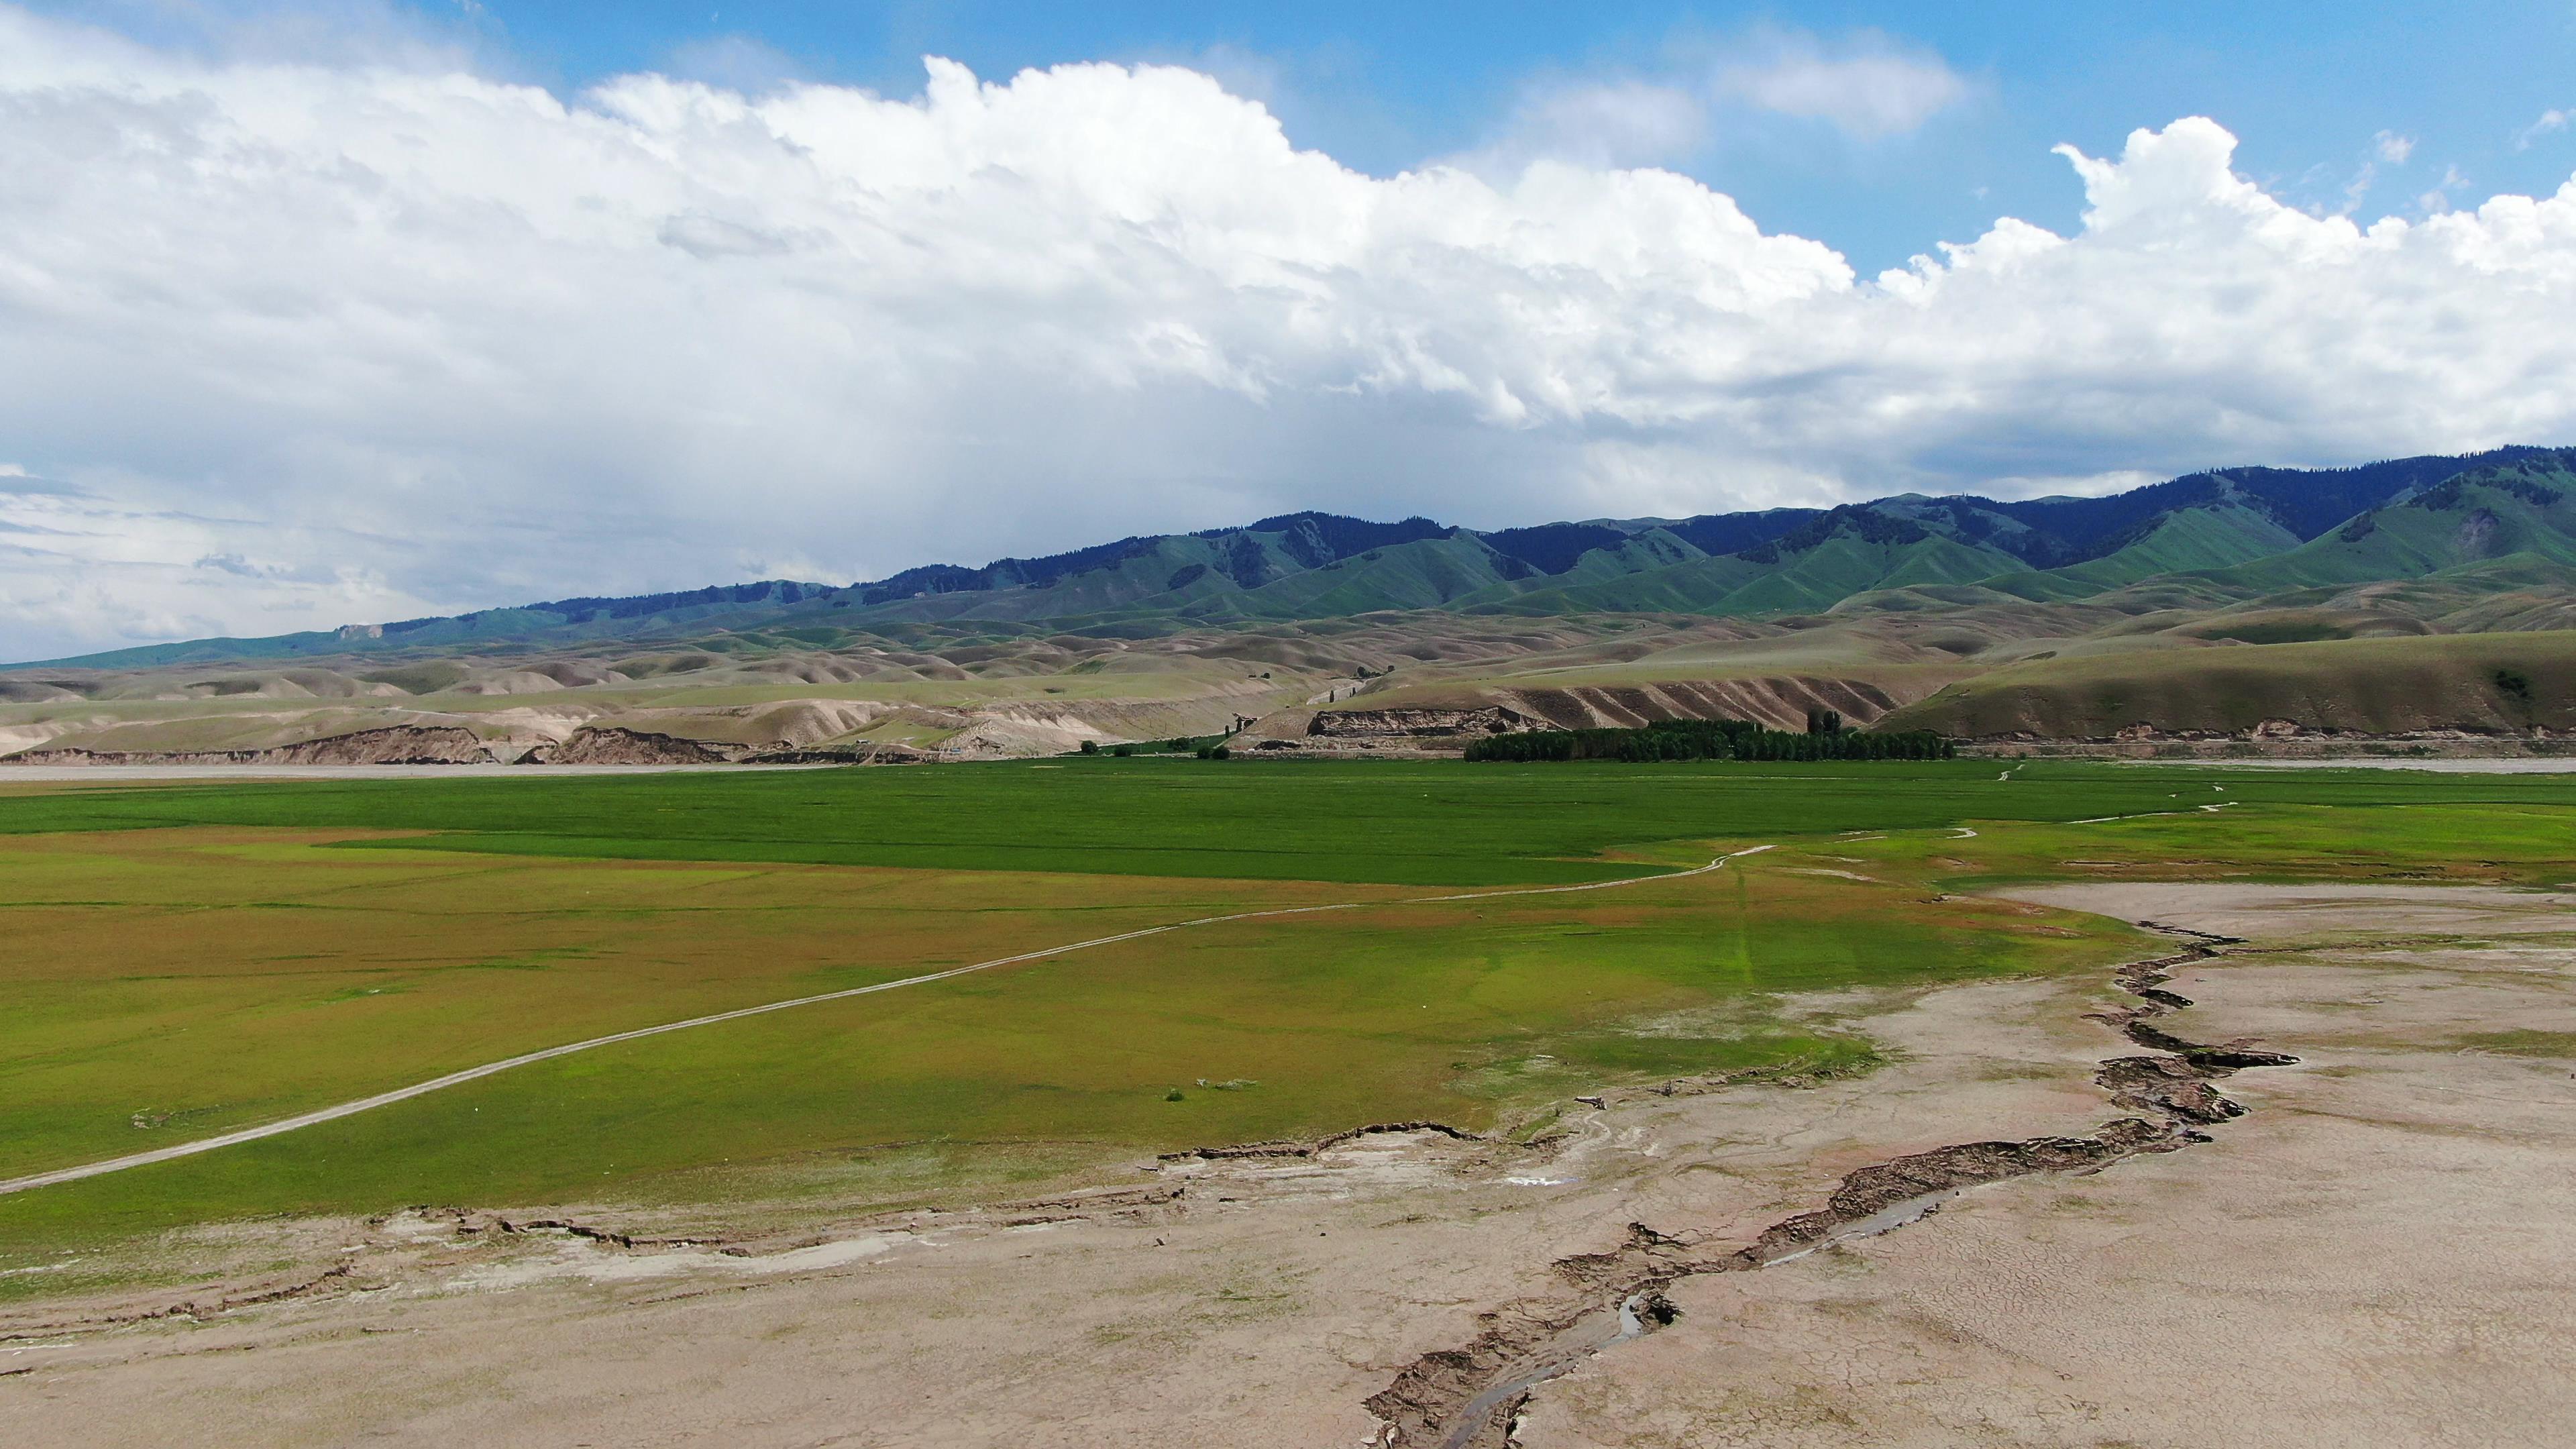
[
  {"x": 1320, "y": 1144},
  {"x": 1471, "y": 1397},
  {"x": 471, "y": 1223},
  {"x": 207, "y": 1302}
]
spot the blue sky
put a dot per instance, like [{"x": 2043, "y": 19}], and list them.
[{"x": 2308, "y": 88}]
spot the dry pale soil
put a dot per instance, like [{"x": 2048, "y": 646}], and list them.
[{"x": 1996, "y": 1240}]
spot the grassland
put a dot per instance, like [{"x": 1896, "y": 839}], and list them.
[
  {"x": 185, "y": 959},
  {"x": 1402, "y": 823}
]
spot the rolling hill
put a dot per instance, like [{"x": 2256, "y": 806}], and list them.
[{"x": 1975, "y": 615}]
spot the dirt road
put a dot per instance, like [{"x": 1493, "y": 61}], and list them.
[
  {"x": 2380, "y": 1251},
  {"x": 459, "y": 1078}
]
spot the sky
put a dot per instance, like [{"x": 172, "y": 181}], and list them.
[{"x": 325, "y": 313}]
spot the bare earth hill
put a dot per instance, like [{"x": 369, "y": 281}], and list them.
[{"x": 2424, "y": 603}]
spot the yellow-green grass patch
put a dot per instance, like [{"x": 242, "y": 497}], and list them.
[{"x": 283, "y": 975}]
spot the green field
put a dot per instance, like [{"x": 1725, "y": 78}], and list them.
[
  {"x": 1427, "y": 823},
  {"x": 188, "y": 958}
]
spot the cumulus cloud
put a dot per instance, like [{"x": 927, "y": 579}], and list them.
[{"x": 308, "y": 343}]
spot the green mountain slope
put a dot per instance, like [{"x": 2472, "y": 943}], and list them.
[
  {"x": 2205, "y": 541},
  {"x": 2224, "y": 533},
  {"x": 1683, "y": 588},
  {"x": 1847, "y": 563},
  {"x": 1421, "y": 575},
  {"x": 2526, "y": 507}
]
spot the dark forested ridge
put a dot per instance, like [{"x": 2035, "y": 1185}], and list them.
[{"x": 1710, "y": 739}]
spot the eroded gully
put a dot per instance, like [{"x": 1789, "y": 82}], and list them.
[{"x": 1471, "y": 1397}]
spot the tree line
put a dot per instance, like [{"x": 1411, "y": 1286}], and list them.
[{"x": 1712, "y": 739}]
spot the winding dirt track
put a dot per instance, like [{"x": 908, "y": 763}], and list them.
[{"x": 454, "y": 1079}]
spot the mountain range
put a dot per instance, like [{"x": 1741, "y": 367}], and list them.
[
  {"x": 2480, "y": 545},
  {"x": 2229, "y": 533}
]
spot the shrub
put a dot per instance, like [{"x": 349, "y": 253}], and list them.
[
  {"x": 1091, "y": 747},
  {"x": 1122, "y": 751},
  {"x": 1220, "y": 753}
]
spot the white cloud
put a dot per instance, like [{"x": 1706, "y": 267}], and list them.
[
  {"x": 2386, "y": 147},
  {"x": 1868, "y": 87},
  {"x": 396, "y": 338},
  {"x": 2550, "y": 120},
  {"x": 735, "y": 62},
  {"x": 1711, "y": 90},
  {"x": 2438, "y": 200},
  {"x": 80, "y": 571},
  {"x": 1597, "y": 123}
]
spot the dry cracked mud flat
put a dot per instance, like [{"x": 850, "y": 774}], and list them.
[{"x": 2070, "y": 1213}]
